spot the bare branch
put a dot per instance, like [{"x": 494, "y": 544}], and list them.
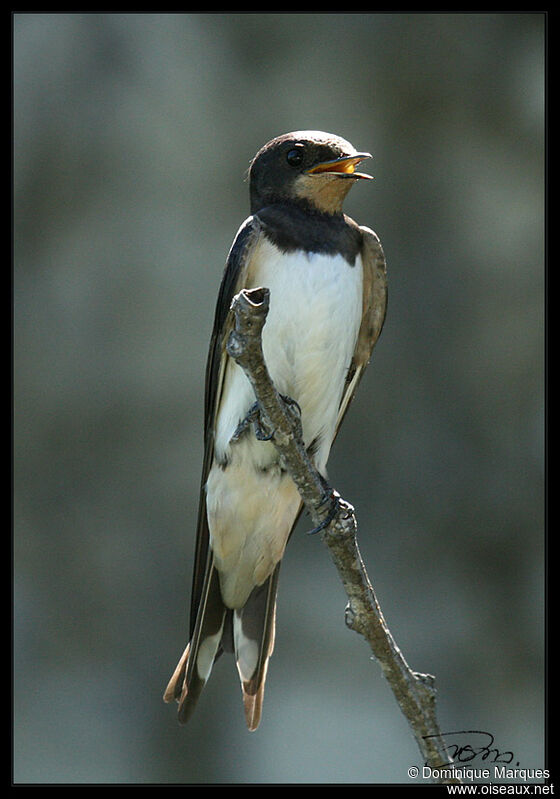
[{"x": 414, "y": 692}]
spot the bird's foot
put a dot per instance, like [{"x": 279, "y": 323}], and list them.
[
  {"x": 257, "y": 418},
  {"x": 331, "y": 498},
  {"x": 293, "y": 410},
  {"x": 254, "y": 417}
]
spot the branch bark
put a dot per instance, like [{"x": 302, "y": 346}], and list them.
[{"x": 414, "y": 692}]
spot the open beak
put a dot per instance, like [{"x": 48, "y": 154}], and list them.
[{"x": 345, "y": 166}]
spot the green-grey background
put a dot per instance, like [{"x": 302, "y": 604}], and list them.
[{"x": 133, "y": 134}]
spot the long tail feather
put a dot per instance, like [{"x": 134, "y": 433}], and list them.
[
  {"x": 253, "y": 635},
  {"x": 249, "y": 632},
  {"x": 194, "y": 667}
]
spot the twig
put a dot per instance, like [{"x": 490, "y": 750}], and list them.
[{"x": 414, "y": 692}]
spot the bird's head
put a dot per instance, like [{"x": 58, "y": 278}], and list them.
[{"x": 318, "y": 168}]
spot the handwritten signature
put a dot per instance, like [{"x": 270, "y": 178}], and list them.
[{"x": 478, "y": 744}]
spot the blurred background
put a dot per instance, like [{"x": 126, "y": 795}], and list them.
[{"x": 132, "y": 137}]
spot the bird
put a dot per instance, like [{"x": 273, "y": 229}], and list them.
[{"x": 328, "y": 294}]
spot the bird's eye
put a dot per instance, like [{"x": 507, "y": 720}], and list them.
[{"x": 295, "y": 157}]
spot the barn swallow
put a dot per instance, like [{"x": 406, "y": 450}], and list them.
[{"x": 327, "y": 281}]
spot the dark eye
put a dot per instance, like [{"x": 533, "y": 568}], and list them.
[{"x": 295, "y": 157}]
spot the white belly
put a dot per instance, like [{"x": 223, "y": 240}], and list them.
[{"x": 308, "y": 342}]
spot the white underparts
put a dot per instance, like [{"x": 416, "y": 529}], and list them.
[{"x": 308, "y": 342}]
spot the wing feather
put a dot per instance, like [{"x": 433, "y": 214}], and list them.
[
  {"x": 233, "y": 280},
  {"x": 209, "y": 617},
  {"x": 373, "y": 315}
]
